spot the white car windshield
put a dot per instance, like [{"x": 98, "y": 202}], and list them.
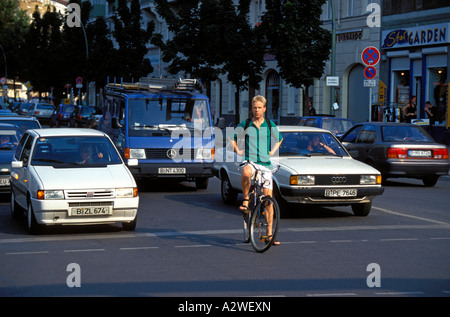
[
  {"x": 310, "y": 144},
  {"x": 64, "y": 151}
]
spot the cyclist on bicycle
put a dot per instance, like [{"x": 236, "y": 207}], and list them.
[{"x": 257, "y": 133}]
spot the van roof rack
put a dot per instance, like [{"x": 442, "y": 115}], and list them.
[{"x": 171, "y": 84}]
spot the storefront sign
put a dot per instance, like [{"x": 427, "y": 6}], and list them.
[
  {"x": 416, "y": 36},
  {"x": 349, "y": 36}
]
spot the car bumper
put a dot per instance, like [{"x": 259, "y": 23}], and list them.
[
  {"x": 313, "y": 195},
  {"x": 192, "y": 171},
  {"x": 415, "y": 169},
  {"x": 58, "y": 212}
]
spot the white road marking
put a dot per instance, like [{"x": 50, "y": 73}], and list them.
[
  {"x": 85, "y": 250},
  {"x": 27, "y": 252},
  {"x": 409, "y": 216}
]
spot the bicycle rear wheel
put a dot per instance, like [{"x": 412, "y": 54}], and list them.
[{"x": 264, "y": 224}]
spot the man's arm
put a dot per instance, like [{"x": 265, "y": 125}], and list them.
[{"x": 275, "y": 148}]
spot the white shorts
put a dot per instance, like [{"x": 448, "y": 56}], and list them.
[{"x": 266, "y": 174}]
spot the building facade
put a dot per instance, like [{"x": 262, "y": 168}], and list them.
[
  {"x": 415, "y": 44},
  {"x": 357, "y": 24}
]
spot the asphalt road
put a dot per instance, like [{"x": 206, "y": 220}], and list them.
[{"x": 188, "y": 243}]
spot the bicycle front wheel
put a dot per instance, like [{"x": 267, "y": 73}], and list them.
[
  {"x": 247, "y": 217},
  {"x": 264, "y": 224}
]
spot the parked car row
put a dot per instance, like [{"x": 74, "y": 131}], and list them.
[
  {"x": 71, "y": 115},
  {"x": 48, "y": 114}
]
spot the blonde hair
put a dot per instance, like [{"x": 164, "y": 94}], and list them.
[{"x": 259, "y": 98}]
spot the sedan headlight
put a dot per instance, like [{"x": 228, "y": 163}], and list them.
[
  {"x": 370, "y": 179},
  {"x": 135, "y": 153},
  {"x": 302, "y": 180},
  {"x": 50, "y": 194},
  {"x": 126, "y": 192}
]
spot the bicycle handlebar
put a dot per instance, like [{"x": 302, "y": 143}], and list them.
[{"x": 274, "y": 170}]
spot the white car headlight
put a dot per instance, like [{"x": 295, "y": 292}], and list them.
[
  {"x": 50, "y": 194},
  {"x": 370, "y": 179},
  {"x": 137, "y": 153},
  {"x": 302, "y": 180},
  {"x": 126, "y": 192}
]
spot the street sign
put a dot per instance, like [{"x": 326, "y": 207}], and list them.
[
  {"x": 370, "y": 83},
  {"x": 370, "y": 72},
  {"x": 332, "y": 80},
  {"x": 370, "y": 56}
]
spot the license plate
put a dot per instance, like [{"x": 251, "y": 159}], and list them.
[
  {"x": 340, "y": 192},
  {"x": 171, "y": 170},
  {"x": 419, "y": 153},
  {"x": 90, "y": 211},
  {"x": 4, "y": 181}
]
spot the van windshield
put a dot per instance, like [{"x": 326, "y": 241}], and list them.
[{"x": 150, "y": 115}]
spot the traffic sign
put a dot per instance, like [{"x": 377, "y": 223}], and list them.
[
  {"x": 3, "y": 80},
  {"x": 370, "y": 83},
  {"x": 79, "y": 80},
  {"x": 370, "y": 56},
  {"x": 370, "y": 72}
]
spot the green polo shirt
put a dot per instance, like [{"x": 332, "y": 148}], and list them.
[{"x": 258, "y": 141}]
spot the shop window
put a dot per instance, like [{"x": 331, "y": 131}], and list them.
[
  {"x": 436, "y": 93},
  {"x": 401, "y": 84}
]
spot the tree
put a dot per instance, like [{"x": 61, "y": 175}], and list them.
[
  {"x": 132, "y": 40},
  {"x": 212, "y": 38},
  {"x": 243, "y": 49},
  {"x": 195, "y": 48},
  {"x": 13, "y": 27},
  {"x": 296, "y": 38}
]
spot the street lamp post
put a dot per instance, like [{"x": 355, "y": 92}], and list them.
[
  {"x": 6, "y": 72},
  {"x": 333, "y": 55}
]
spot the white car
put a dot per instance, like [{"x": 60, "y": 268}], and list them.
[
  {"x": 308, "y": 175},
  {"x": 54, "y": 181}
]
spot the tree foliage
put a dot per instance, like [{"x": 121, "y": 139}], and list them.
[{"x": 296, "y": 38}]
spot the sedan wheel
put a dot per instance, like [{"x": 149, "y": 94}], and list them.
[
  {"x": 361, "y": 210},
  {"x": 229, "y": 194},
  {"x": 33, "y": 226},
  {"x": 16, "y": 210}
]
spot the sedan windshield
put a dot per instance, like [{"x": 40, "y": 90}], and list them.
[
  {"x": 310, "y": 144},
  {"x": 164, "y": 115},
  {"x": 405, "y": 133},
  {"x": 65, "y": 151}
]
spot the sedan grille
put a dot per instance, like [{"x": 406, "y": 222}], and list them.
[
  {"x": 106, "y": 193},
  {"x": 337, "y": 179}
]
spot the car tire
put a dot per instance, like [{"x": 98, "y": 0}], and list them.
[
  {"x": 201, "y": 182},
  {"x": 33, "y": 226},
  {"x": 430, "y": 181},
  {"x": 129, "y": 226},
  {"x": 361, "y": 210},
  {"x": 228, "y": 193},
  {"x": 16, "y": 210}
]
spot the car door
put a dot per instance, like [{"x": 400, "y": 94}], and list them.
[
  {"x": 21, "y": 174},
  {"x": 365, "y": 141},
  {"x": 349, "y": 140}
]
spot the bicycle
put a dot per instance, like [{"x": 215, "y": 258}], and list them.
[{"x": 258, "y": 220}]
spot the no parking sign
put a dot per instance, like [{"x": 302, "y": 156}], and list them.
[{"x": 370, "y": 56}]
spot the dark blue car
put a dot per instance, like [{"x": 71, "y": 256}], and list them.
[
  {"x": 8, "y": 143},
  {"x": 61, "y": 115},
  {"x": 337, "y": 126}
]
